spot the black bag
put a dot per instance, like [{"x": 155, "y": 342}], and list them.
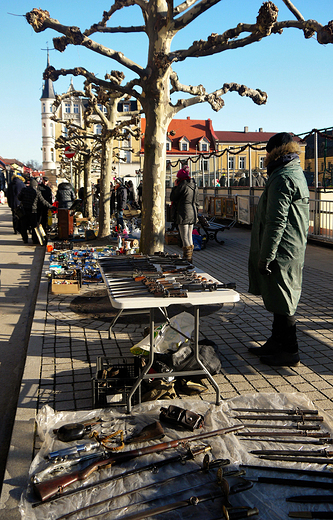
[
  {"x": 177, "y": 416},
  {"x": 19, "y": 211},
  {"x": 183, "y": 359}
]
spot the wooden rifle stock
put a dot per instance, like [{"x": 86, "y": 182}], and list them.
[{"x": 49, "y": 488}]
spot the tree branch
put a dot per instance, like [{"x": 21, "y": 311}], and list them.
[
  {"x": 40, "y": 21},
  {"x": 182, "y": 7},
  {"x": 117, "y": 6},
  {"x": 193, "y": 13},
  {"x": 214, "y": 99}
]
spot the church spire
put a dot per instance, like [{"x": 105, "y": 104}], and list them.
[{"x": 48, "y": 90}]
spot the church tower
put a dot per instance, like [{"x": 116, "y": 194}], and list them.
[{"x": 48, "y": 128}]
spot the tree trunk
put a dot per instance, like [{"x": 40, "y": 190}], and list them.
[
  {"x": 88, "y": 199},
  {"x": 105, "y": 195}
]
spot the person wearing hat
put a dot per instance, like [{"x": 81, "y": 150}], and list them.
[
  {"x": 185, "y": 199},
  {"x": 30, "y": 198},
  {"x": 278, "y": 243}
]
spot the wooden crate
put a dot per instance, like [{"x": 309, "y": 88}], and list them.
[
  {"x": 172, "y": 237},
  {"x": 71, "y": 287}
]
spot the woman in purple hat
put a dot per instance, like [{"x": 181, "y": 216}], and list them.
[{"x": 185, "y": 199}]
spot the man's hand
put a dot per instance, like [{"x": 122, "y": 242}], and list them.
[{"x": 263, "y": 267}]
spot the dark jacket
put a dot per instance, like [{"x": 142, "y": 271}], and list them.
[
  {"x": 278, "y": 238},
  {"x": 65, "y": 195},
  {"x": 31, "y": 198},
  {"x": 121, "y": 197},
  {"x": 46, "y": 192},
  {"x": 185, "y": 198},
  {"x": 15, "y": 186}
]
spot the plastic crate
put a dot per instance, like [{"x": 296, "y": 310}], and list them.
[{"x": 114, "y": 380}]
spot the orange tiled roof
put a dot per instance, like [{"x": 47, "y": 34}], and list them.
[
  {"x": 245, "y": 137},
  {"x": 193, "y": 129}
]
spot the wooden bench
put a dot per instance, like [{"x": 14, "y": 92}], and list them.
[{"x": 211, "y": 228}]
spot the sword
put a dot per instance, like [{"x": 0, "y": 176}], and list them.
[
  {"x": 283, "y": 427},
  {"x": 311, "y": 499},
  {"x": 304, "y": 453},
  {"x": 293, "y": 433},
  {"x": 293, "y": 411},
  {"x": 308, "y": 460}
]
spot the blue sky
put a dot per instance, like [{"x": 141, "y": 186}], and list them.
[{"x": 296, "y": 73}]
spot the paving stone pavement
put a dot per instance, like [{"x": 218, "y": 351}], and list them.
[{"x": 64, "y": 346}]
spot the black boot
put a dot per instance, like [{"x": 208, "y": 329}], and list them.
[{"x": 287, "y": 353}]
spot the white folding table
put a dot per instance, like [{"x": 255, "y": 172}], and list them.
[{"x": 148, "y": 303}]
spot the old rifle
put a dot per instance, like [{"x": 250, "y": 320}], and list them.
[
  {"x": 154, "y": 467},
  {"x": 207, "y": 465},
  {"x": 49, "y": 488}
]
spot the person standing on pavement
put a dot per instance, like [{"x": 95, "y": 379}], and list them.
[
  {"x": 42, "y": 210},
  {"x": 121, "y": 195},
  {"x": 185, "y": 199},
  {"x": 65, "y": 195},
  {"x": 30, "y": 197},
  {"x": 278, "y": 243},
  {"x": 15, "y": 186}
]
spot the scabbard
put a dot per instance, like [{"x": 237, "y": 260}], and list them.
[
  {"x": 311, "y": 499},
  {"x": 283, "y": 427},
  {"x": 306, "y": 460},
  {"x": 296, "y": 453},
  {"x": 283, "y": 469},
  {"x": 293, "y": 482}
]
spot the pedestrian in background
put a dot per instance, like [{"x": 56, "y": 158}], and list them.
[
  {"x": 121, "y": 195},
  {"x": 30, "y": 197},
  {"x": 278, "y": 243},
  {"x": 185, "y": 199},
  {"x": 15, "y": 186},
  {"x": 42, "y": 211},
  {"x": 65, "y": 195}
]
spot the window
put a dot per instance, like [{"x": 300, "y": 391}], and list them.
[
  {"x": 261, "y": 162},
  {"x": 168, "y": 145},
  {"x": 52, "y": 154},
  {"x": 231, "y": 162},
  {"x": 204, "y": 147},
  {"x": 127, "y": 156},
  {"x": 51, "y": 108},
  {"x": 184, "y": 146},
  {"x": 98, "y": 129},
  {"x": 76, "y": 108},
  {"x": 205, "y": 166},
  {"x": 168, "y": 166},
  {"x": 126, "y": 107},
  {"x": 52, "y": 130},
  {"x": 67, "y": 108},
  {"x": 242, "y": 163},
  {"x": 65, "y": 131},
  {"x": 44, "y": 108},
  {"x": 44, "y": 154}
]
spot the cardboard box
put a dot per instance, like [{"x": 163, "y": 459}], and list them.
[
  {"x": 71, "y": 287},
  {"x": 172, "y": 238}
]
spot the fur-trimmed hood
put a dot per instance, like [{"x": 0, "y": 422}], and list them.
[{"x": 279, "y": 152}]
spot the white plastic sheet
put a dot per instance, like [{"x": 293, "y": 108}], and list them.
[{"x": 269, "y": 499}]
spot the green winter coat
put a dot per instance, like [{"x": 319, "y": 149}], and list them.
[{"x": 279, "y": 235}]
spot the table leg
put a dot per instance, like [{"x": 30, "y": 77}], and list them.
[
  {"x": 196, "y": 355},
  {"x": 149, "y": 364}
]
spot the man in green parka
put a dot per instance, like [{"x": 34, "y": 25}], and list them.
[{"x": 278, "y": 242}]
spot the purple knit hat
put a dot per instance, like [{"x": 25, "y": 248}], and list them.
[{"x": 183, "y": 174}]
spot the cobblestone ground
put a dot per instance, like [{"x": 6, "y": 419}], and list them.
[{"x": 72, "y": 343}]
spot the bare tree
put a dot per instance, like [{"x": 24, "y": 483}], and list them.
[{"x": 156, "y": 81}]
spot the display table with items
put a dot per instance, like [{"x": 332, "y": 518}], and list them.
[{"x": 144, "y": 283}]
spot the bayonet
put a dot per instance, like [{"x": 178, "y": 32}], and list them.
[
  {"x": 303, "y": 453},
  {"x": 307, "y": 460},
  {"x": 293, "y": 433},
  {"x": 292, "y": 482},
  {"x": 317, "y": 442},
  {"x": 296, "y": 418},
  {"x": 311, "y": 514},
  {"x": 282, "y": 469},
  {"x": 293, "y": 411},
  {"x": 311, "y": 499},
  {"x": 283, "y": 427}
]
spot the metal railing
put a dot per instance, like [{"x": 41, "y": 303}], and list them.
[{"x": 321, "y": 220}]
